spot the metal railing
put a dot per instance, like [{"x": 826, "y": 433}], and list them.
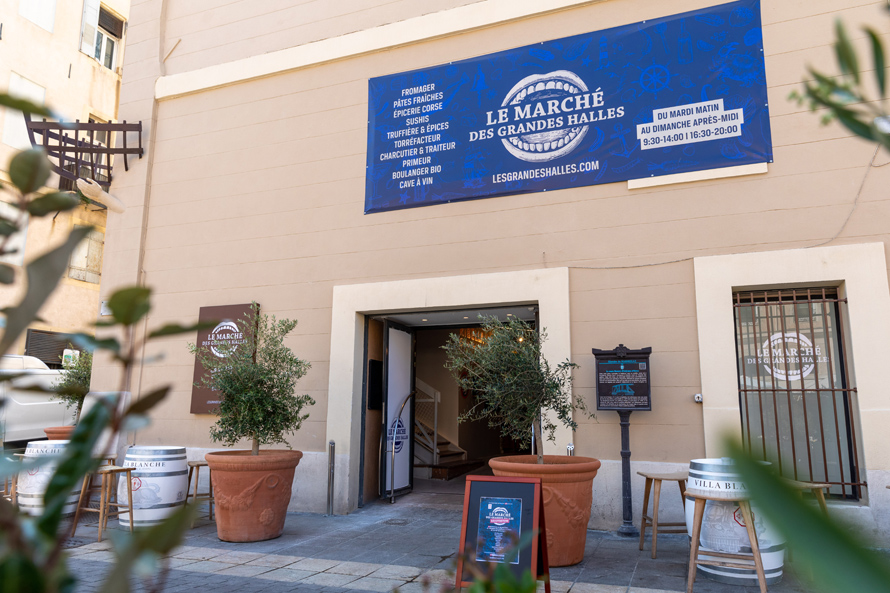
[
  {"x": 392, "y": 465},
  {"x": 426, "y": 416}
]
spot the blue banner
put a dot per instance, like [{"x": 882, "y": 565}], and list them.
[{"x": 672, "y": 95}]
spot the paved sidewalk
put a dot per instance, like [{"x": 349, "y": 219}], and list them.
[{"x": 382, "y": 546}]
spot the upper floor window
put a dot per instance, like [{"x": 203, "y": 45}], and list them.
[
  {"x": 101, "y": 33},
  {"x": 108, "y": 37},
  {"x": 86, "y": 261}
]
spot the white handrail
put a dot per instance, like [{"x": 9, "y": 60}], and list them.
[{"x": 435, "y": 396}]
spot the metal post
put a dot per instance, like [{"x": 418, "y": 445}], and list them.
[
  {"x": 534, "y": 449},
  {"x": 627, "y": 528},
  {"x": 330, "y": 477},
  {"x": 570, "y": 450}
]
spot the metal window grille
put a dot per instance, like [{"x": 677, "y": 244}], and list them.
[{"x": 795, "y": 396}]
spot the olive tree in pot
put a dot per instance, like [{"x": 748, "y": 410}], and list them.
[
  {"x": 518, "y": 391},
  {"x": 255, "y": 380},
  {"x": 72, "y": 387}
]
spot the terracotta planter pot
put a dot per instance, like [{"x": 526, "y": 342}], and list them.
[
  {"x": 58, "y": 433},
  {"x": 567, "y": 489},
  {"x": 251, "y": 492}
]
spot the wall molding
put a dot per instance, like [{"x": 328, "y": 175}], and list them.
[{"x": 423, "y": 28}]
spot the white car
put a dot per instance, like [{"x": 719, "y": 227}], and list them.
[{"x": 24, "y": 414}]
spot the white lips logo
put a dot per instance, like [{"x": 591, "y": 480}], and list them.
[
  {"x": 785, "y": 356},
  {"x": 224, "y": 328},
  {"x": 540, "y": 147}
]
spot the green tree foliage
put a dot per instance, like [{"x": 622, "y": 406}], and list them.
[
  {"x": 32, "y": 548},
  {"x": 74, "y": 382},
  {"x": 256, "y": 381},
  {"x": 848, "y": 97},
  {"x": 512, "y": 381}
]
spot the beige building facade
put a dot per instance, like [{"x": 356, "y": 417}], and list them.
[
  {"x": 253, "y": 186},
  {"x": 55, "y": 52}
]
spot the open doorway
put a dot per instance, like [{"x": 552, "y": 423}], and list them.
[{"x": 419, "y": 436}]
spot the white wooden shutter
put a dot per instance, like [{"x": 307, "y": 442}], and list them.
[{"x": 88, "y": 28}]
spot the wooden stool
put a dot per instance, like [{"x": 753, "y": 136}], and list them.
[
  {"x": 815, "y": 487},
  {"x": 694, "y": 561},
  {"x": 196, "y": 496},
  {"x": 106, "y": 473},
  {"x": 646, "y": 520},
  {"x": 9, "y": 486},
  {"x": 95, "y": 486}
]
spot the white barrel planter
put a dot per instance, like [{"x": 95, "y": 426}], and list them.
[
  {"x": 160, "y": 481},
  {"x": 723, "y": 528},
  {"x": 32, "y": 483}
]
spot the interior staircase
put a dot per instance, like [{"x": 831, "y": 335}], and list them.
[{"x": 435, "y": 456}]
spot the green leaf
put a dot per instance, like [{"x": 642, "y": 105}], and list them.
[
  {"x": 147, "y": 402},
  {"x": 172, "y": 329},
  {"x": 24, "y": 105},
  {"x": 836, "y": 559},
  {"x": 852, "y": 123},
  {"x": 129, "y": 305},
  {"x": 89, "y": 342},
  {"x": 20, "y": 574},
  {"x": 43, "y": 274},
  {"x": 7, "y": 274},
  {"x": 846, "y": 55},
  {"x": 56, "y": 202},
  {"x": 9, "y": 467},
  {"x": 76, "y": 462},
  {"x": 877, "y": 52},
  {"x": 29, "y": 170}
]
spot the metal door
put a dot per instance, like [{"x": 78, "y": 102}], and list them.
[{"x": 397, "y": 464}]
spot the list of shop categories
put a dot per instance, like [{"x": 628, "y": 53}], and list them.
[{"x": 418, "y": 137}]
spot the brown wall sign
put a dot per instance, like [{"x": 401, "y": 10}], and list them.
[{"x": 226, "y": 331}]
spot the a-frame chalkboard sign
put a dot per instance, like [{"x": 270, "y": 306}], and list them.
[{"x": 497, "y": 512}]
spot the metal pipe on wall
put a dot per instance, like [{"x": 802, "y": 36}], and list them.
[{"x": 331, "y": 448}]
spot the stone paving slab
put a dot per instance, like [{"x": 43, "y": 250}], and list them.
[{"x": 410, "y": 545}]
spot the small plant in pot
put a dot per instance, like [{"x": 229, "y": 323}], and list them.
[
  {"x": 72, "y": 387},
  {"x": 255, "y": 379},
  {"x": 514, "y": 385}
]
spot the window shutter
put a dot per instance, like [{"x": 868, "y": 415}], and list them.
[
  {"x": 112, "y": 25},
  {"x": 47, "y": 346},
  {"x": 88, "y": 28}
]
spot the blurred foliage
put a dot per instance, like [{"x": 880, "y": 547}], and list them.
[
  {"x": 32, "y": 548},
  {"x": 833, "y": 554},
  {"x": 847, "y": 96}
]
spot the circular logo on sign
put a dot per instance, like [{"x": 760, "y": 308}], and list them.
[
  {"x": 500, "y": 516},
  {"x": 223, "y": 333},
  {"x": 398, "y": 435},
  {"x": 539, "y": 90},
  {"x": 788, "y": 356}
]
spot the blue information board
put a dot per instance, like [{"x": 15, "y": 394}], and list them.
[{"x": 671, "y": 95}]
